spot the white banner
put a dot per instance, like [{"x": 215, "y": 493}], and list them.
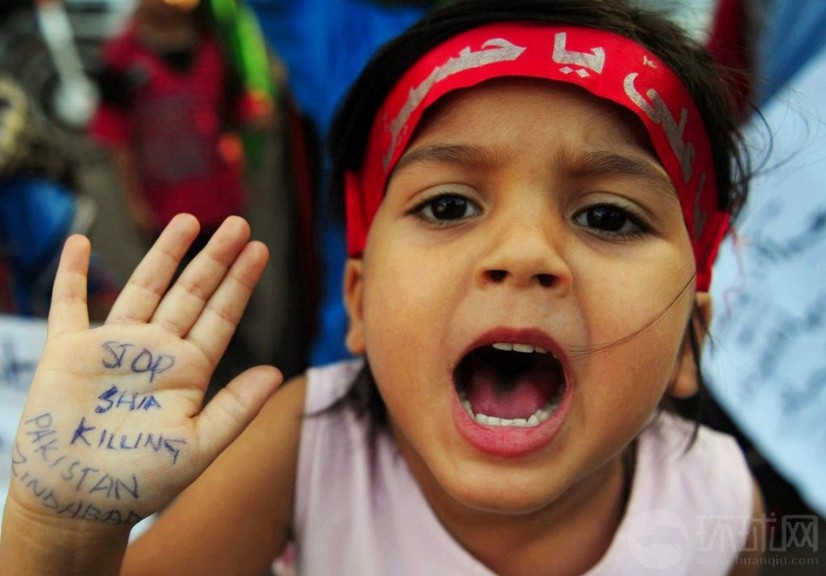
[
  {"x": 766, "y": 363},
  {"x": 21, "y": 342}
]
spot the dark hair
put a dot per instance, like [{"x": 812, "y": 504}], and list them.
[{"x": 705, "y": 81}]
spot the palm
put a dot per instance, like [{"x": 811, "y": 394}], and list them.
[{"x": 113, "y": 427}]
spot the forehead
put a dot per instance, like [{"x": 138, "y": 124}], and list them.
[{"x": 523, "y": 107}]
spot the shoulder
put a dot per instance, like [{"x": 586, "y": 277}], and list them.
[
  {"x": 723, "y": 495},
  {"x": 748, "y": 562},
  {"x": 329, "y": 383},
  {"x": 330, "y": 428},
  {"x": 688, "y": 445},
  {"x": 691, "y": 504},
  {"x": 694, "y": 466}
]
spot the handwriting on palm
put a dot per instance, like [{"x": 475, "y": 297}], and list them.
[{"x": 113, "y": 427}]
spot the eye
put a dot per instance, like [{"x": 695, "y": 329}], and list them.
[
  {"x": 445, "y": 208},
  {"x": 611, "y": 220}
]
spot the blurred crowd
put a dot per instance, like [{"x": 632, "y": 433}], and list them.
[{"x": 117, "y": 114}]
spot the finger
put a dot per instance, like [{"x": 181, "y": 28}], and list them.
[
  {"x": 233, "y": 408},
  {"x": 69, "y": 311},
  {"x": 182, "y": 306},
  {"x": 148, "y": 283},
  {"x": 214, "y": 328}
]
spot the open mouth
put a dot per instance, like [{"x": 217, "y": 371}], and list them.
[{"x": 509, "y": 384}]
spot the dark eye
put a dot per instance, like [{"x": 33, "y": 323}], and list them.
[
  {"x": 446, "y": 208},
  {"x": 610, "y": 220}
]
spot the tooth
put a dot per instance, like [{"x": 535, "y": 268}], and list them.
[
  {"x": 468, "y": 407},
  {"x": 524, "y": 348},
  {"x": 535, "y": 419}
]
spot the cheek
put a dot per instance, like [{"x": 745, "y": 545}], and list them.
[
  {"x": 621, "y": 297},
  {"x": 635, "y": 362},
  {"x": 406, "y": 320},
  {"x": 636, "y": 324},
  {"x": 405, "y": 303}
]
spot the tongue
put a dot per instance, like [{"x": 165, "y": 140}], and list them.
[{"x": 518, "y": 397}]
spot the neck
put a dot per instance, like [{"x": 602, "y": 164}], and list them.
[{"x": 567, "y": 537}]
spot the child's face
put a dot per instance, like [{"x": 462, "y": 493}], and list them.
[
  {"x": 535, "y": 215},
  {"x": 169, "y": 7}
]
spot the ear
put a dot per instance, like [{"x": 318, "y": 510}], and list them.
[
  {"x": 353, "y": 288},
  {"x": 685, "y": 379}
]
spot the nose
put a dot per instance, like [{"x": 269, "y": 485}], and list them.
[{"x": 526, "y": 250}]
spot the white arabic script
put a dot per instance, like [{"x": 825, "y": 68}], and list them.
[
  {"x": 595, "y": 60},
  {"x": 493, "y": 50},
  {"x": 655, "y": 108}
]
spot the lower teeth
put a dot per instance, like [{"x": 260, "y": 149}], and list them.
[{"x": 534, "y": 420}]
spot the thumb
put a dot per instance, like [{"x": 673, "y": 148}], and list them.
[{"x": 227, "y": 415}]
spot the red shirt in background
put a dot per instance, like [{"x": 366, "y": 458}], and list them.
[{"x": 175, "y": 120}]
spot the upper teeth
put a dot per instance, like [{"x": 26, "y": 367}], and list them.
[{"x": 524, "y": 348}]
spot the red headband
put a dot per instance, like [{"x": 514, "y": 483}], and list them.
[{"x": 608, "y": 65}]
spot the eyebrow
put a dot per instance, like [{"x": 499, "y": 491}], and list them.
[
  {"x": 588, "y": 163},
  {"x": 447, "y": 153},
  {"x": 605, "y": 162}
]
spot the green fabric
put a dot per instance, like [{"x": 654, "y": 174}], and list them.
[
  {"x": 245, "y": 44},
  {"x": 243, "y": 41}
]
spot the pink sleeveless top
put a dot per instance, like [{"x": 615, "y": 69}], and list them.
[{"x": 360, "y": 512}]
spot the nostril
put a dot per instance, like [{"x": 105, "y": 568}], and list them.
[{"x": 497, "y": 275}]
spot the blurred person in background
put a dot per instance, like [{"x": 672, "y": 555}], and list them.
[{"x": 172, "y": 106}]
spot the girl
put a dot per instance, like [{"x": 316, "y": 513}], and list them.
[{"x": 534, "y": 195}]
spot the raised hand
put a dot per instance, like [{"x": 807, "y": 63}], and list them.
[{"x": 113, "y": 427}]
